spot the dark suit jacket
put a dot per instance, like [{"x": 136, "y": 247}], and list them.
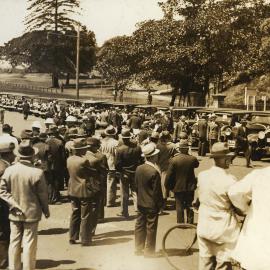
[
  {"x": 180, "y": 175},
  {"x": 82, "y": 181},
  {"x": 148, "y": 185},
  {"x": 128, "y": 156},
  {"x": 135, "y": 122},
  {"x": 4, "y": 210},
  {"x": 202, "y": 129},
  {"x": 241, "y": 137}
]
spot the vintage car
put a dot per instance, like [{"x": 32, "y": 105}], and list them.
[{"x": 259, "y": 135}]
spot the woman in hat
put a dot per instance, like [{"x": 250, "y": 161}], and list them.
[{"x": 218, "y": 228}]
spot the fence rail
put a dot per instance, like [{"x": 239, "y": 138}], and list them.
[{"x": 6, "y": 86}]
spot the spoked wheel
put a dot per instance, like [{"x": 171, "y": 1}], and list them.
[{"x": 179, "y": 247}]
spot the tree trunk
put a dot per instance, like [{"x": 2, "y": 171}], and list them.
[
  {"x": 174, "y": 95},
  {"x": 55, "y": 81},
  {"x": 67, "y": 79}
]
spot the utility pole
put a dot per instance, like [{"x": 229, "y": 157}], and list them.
[{"x": 78, "y": 63}]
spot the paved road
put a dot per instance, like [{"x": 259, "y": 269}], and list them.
[{"x": 114, "y": 241}]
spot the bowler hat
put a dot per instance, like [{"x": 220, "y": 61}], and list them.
[
  {"x": 110, "y": 131},
  {"x": 220, "y": 149},
  {"x": 79, "y": 143},
  {"x": 149, "y": 150},
  {"x": 26, "y": 150}
]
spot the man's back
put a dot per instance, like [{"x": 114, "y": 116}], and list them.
[
  {"x": 28, "y": 188},
  {"x": 148, "y": 184},
  {"x": 128, "y": 156},
  {"x": 180, "y": 174}
]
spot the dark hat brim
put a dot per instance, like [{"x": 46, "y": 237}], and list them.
[{"x": 18, "y": 154}]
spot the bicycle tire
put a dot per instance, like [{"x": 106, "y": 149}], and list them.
[{"x": 178, "y": 226}]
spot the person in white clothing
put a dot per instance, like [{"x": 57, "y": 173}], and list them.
[
  {"x": 251, "y": 196},
  {"x": 218, "y": 227}
]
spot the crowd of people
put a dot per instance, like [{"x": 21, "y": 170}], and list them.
[{"x": 151, "y": 160}]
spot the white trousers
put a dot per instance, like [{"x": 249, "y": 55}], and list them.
[{"x": 23, "y": 235}]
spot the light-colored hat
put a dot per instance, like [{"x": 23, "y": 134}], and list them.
[
  {"x": 220, "y": 149},
  {"x": 71, "y": 118},
  {"x": 79, "y": 144},
  {"x": 49, "y": 121},
  {"x": 36, "y": 124},
  {"x": 149, "y": 150},
  {"x": 6, "y": 146},
  {"x": 155, "y": 135},
  {"x": 26, "y": 150}
]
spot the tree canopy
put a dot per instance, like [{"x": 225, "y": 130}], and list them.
[{"x": 197, "y": 43}]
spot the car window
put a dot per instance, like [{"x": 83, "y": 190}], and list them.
[{"x": 261, "y": 119}]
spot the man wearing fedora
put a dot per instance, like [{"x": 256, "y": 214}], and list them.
[
  {"x": 7, "y": 131},
  {"x": 24, "y": 188},
  {"x": 128, "y": 158},
  {"x": 108, "y": 148},
  {"x": 218, "y": 228},
  {"x": 6, "y": 158},
  {"x": 167, "y": 150},
  {"x": 242, "y": 143},
  {"x": 82, "y": 190},
  {"x": 99, "y": 162},
  {"x": 181, "y": 180},
  {"x": 148, "y": 187}
]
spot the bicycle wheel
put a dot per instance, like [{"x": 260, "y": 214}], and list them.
[{"x": 180, "y": 248}]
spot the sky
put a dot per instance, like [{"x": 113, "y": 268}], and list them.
[{"x": 107, "y": 18}]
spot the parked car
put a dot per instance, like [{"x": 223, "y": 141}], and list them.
[{"x": 259, "y": 135}]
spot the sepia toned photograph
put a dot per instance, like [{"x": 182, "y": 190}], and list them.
[{"x": 135, "y": 134}]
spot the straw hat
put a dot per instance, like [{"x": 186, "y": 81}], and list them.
[
  {"x": 220, "y": 149},
  {"x": 149, "y": 150}
]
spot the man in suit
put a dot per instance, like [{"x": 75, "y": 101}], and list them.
[
  {"x": 182, "y": 181},
  {"x": 6, "y": 158},
  {"x": 100, "y": 163},
  {"x": 167, "y": 150},
  {"x": 108, "y": 148},
  {"x": 148, "y": 186},
  {"x": 57, "y": 164},
  {"x": 212, "y": 131},
  {"x": 128, "y": 157},
  {"x": 83, "y": 189},
  {"x": 135, "y": 122},
  {"x": 242, "y": 142},
  {"x": 24, "y": 188},
  {"x": 181, "y": 126},
  {"x": 202, "y": 130}
]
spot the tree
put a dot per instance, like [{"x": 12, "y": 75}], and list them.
[
  {"x": 52, "y": 15},
  {"x": 37, "y": 50},
  {"x": 114, "y": 61}
]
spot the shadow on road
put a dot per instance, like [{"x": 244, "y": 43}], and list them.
[
  {"x": 111, "y": 241},
  {"x": 181, "y": 252},
  {"x": 115, "y": 219},
  {"x": 114, "y": 234},
  {"x": 53, "y": 231},
  {"x": 46, "y": 264}
]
